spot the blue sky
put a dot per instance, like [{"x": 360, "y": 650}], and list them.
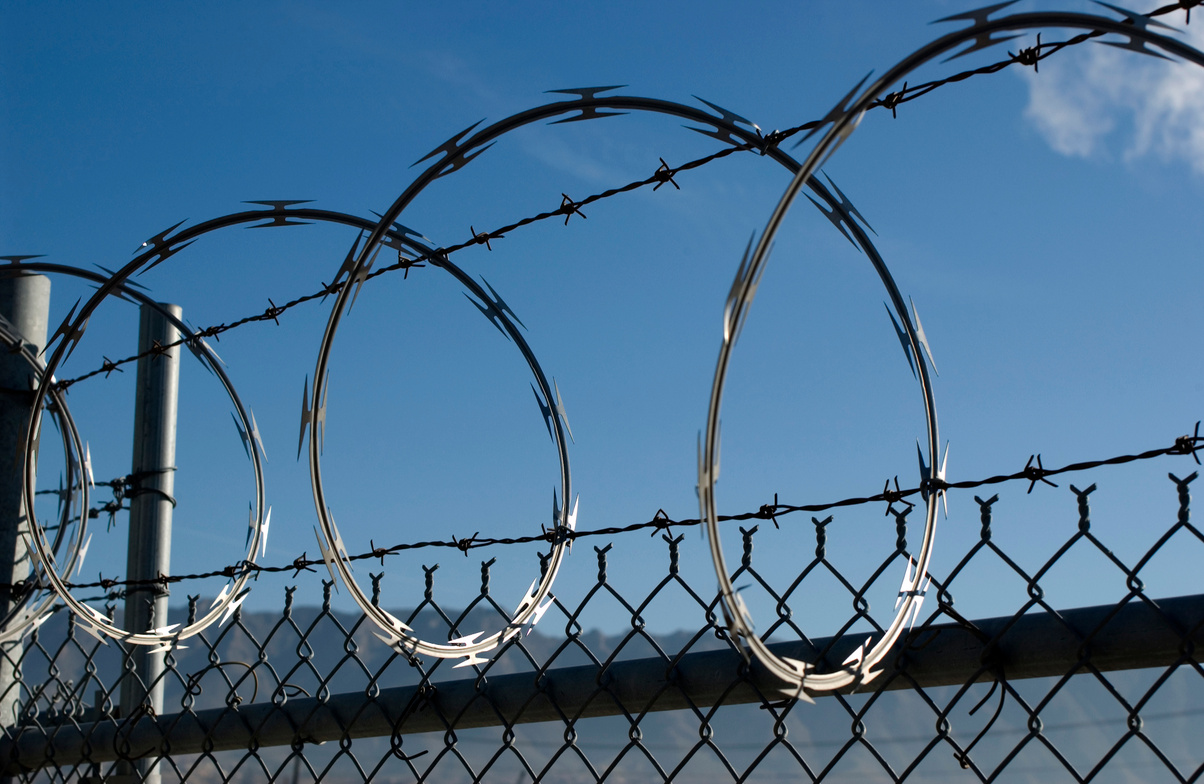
[{"x": 1044, "y": 224}]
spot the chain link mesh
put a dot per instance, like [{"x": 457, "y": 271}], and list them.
[{"x": 1042, "y": 692}]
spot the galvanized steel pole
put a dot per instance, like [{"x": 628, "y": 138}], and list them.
[
  {"x": 151, "y": 502},
  {"x": 25, "y": 303}
]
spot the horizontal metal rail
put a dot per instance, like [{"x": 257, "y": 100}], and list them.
[{"x": 1141, "y": 633}]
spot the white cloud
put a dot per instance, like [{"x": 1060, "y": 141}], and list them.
[
  {"x": 565, "y": 157},
  {"x": 1090, "y": 103}
]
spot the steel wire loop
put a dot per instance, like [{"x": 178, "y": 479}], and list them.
[
  {"x": 537, "y": 599},
  {"x": 587, "y": 103},
  {"x": 45, "y": 555},
  {"x": 72, "y": 330},
  {"x": 844, "y": 118},
  {"x": 162, "y": 246}
]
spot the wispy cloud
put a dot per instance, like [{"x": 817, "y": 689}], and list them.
[
  {"x": 566, "y": 158},
  {"x": 1102, "y": 101}
]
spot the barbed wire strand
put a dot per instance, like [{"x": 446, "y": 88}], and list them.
[
  {"x": 1032, "y": 473},
  {"x": 1030, "y": 56}
]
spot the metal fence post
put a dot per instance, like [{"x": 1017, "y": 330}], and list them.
[
  {"x": 151, "y": 502},
  {"x": 25, "y": 303}
]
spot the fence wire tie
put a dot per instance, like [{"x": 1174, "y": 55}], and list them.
[
  {"x": 193, "y": 686},
  {"x": 407, "y": 757},
  {"x": 145, "y": 709},
  {"x": 121, "y": 743},
  {"x": 963, "y": 623},
  {"x": 287, "y": 687},
  {"x": 1035, "y": 473},
  {"x": 963, "y": 757},
  {"x": 132, "y": 488}
]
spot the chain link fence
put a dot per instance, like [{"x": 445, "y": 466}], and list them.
[
  {"x": 1061, "y": 659},
  {"x": 1109, "y": 692}
]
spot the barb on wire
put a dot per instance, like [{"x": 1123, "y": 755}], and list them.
[
  {"x": 1188, "y": 445},
  {"x": 665, "y": 175},
  {"x": 1036, "y": 473},
  {"x": 888, "y": 495},
  {"x": 568, "y": 208}
]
